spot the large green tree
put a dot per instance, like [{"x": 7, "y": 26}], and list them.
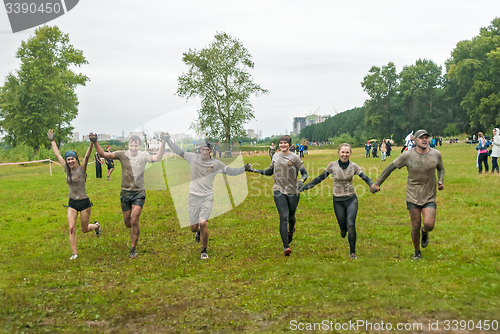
[
  {"x": 41, "y": 93},
  {"x": 419, "y": 92},
  {"x": 474, "y": 72},
  {"x": 219, "y": 76},
  {"x": 381, "y": 85}
]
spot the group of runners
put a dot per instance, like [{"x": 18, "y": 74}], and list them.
[{"x": 421, "y": 163}]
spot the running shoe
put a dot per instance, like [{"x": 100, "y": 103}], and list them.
[
  {"x": 98, "y": 230},
  {"x": 74, "y": 257},
  {"x": 353, "y": 256},
  {"x": 204, "y": 255},
  {"x": 133, "y": 254},
  {"x": 197, "y": 236},
  {"x": 287, "y": 251},
  {"x": 417, "y": 256},
  {"x": 290, "y": 235},
  {"x": 425, "y": 239},
  {"x": 343, "y": 233}
]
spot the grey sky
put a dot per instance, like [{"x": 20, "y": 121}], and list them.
[{"x": 308, "y": 54}]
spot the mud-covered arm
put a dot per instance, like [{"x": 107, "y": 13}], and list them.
[
  {"x": 175, "y": 148},
  {"x": 317, "y": 180},
  {"x": 304, "y": 174},
  {"x": 365, "y": 178},
  {"x": 87, "y": 157},
  {"x": 385, "y": 174},
  {"x": 440, "y": 172},
  {"x": 234, "y": 171},
  {"x": 269, "y": 171}
]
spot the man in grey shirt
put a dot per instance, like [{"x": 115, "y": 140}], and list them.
[
  {"x": 203, "y": 169},
  {"x": 421, "y": 163},
  {"x": 133, "y": 192}
]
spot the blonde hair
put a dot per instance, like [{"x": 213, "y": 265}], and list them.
[
  {"x": 480, "y": 134},
  {"x": 344, "y": 144}
]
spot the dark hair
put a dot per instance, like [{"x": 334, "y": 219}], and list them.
[
  {"x": 135, "y": 138},
  {"x": 68, "y": 170},
  {"x": 286, "y": 138}
]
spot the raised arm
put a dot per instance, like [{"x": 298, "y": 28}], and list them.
[
  {"x": 98, "y": 148},
  {"x": 87, "y": 157},
  {"x": 51, "y": 136},
  {"x": 159, "y": 155},
  {"x": 176, "y": 149},
  {"x": 316, "y": 181}
]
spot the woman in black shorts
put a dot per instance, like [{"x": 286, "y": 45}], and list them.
[
  {"x": 285, "y": 166},
  {"x": 110, "y": 164},
  {"x": 78, "y": 200},
  {"x": 345, "y": 201}
]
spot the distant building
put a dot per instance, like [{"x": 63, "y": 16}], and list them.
[
  {"x": 251, "y": 134},
  {"x": 298, "y": 124},
  {"x": 76, "y": 136},
  {"x": 301, "y": 122}
]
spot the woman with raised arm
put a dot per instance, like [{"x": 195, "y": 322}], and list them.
[
  {"x": 345, "y": 201},
  {"x": 78, "y": 200},
  {"x": 285, "y": 167}
]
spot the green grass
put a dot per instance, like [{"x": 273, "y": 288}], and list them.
[{"x": 247, "y": 284}]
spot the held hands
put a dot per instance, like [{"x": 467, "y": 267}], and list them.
[
  {"x": 93, "y": 137},
  {"x": 300, "y": 186},
  {"x": 249, "y": 168},
  {"x": 51, "y": 135},
  {"x": 374, "y": 188},
  {"x": 164, "y": 136},
  {"x": 440, "y": 186}
]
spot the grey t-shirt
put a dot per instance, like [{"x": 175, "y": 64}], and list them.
[
  {"x": 286, "y": 169},
  {"x": 203, "y": 172},
  {"x": 77, "y": 184},
  {"x": 421, "y": 186},
  {"x": 133, "y": 167},
  {"x": 342, "y": 178}
]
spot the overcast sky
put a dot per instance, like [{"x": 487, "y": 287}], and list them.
[{"x": 308, "y": 54}]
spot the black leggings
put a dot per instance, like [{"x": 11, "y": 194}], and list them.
[
  {"x": 483, "y": 158},
  {"x": 494, "y": 163},
  {"x": 346, "y": 212},
  {"x": 286, "y": 205}
]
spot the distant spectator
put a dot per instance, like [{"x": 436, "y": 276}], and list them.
[
  {"x": 495, "y": 150},
  {"x": 272, "y": 151},
  {"x": 383, "y": 150},
  {"x": 374, "y": 150},
  {"x": 482, "y": 158},
  {"x": 368, "y": 148},
  {"x": 389, "y": 147}
]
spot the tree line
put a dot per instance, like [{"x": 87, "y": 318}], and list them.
[{"x": 463, "y": 99}]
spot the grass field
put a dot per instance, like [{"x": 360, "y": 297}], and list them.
[{"x": 247, "y": 285}]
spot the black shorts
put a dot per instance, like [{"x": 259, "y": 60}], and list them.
[
  {"x": 129, "y": 198},
  {"x": 410, "y": 206},
  {"x": 79, "y": 204},
  {"x": 110, "y": 165}
]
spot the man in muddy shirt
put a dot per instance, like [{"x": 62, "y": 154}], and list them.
[
  {"x": 133, "y": 193},
  {"x": 203, "y": 170},
  {"x": 421, "y": 162}
]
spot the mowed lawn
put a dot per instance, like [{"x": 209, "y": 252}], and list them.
[{"x": 247, "y": 285}]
